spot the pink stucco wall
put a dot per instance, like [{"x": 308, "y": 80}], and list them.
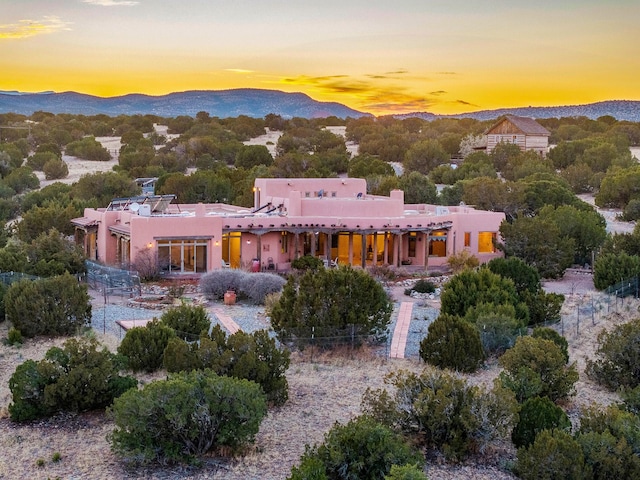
[{"x": 291, "y": 210}]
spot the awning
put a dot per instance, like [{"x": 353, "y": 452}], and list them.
[{"x": 84, "y": 222}]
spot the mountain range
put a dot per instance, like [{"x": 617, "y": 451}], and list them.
[{"x": 258, "y": 103}]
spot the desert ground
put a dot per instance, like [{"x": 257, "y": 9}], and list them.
[{"x": 322, "y": 391}]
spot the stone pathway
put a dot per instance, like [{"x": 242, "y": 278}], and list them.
[
  {"x": 401, "y": 332},
  {"x": 226, "y": 321}
]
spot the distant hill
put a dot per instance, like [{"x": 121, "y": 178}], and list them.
[
  {"x": 219, "y": 103},
  {"x": 619, "y": 109},
  {"x": 257, "y": 103}
]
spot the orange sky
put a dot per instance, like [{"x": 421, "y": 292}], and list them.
[{"x": 448, "y": 56}]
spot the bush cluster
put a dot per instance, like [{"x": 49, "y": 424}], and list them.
[
  {"x": 443, "y": 411},
  {"x": 307, "y": 262},
  {"x": 255, "y": 286},
  {"x": 422, "y": 286},
  {"x": 143, "y": 347},
  {"x": 331, "y": 307},
  {"x": 537, "y": 367},
  {"x": 188, "y": 321},
  {"x": 362, "y": 448},
  {"x": 75, "y": 378},
  {"x": 452, "y": 343},
  {"x": 617, "y": 361},
  {"x": 253, "y": 357},
  {"x": 538, "y": 414},
  {"x": 49, "y": 306},
  {"x": 185, "y": 416}
]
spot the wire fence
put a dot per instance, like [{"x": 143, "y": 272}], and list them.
[
  {"x": 582, "y": 313},
  {"x": 112, "y": 280},
  {"x": 11, "y": 277}
]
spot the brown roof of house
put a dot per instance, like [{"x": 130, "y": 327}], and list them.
[
  {"x": 527, "y": 125},
  {"x": 84, "y": 222}
]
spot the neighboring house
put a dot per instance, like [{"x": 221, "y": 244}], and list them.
[
  {"x": 330, "y": 218},
  {"x": 522, "y": 131}
]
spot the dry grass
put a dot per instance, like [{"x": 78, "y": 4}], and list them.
[{"x": 324, "y": 389}]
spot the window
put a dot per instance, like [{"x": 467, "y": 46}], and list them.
[
  {"x": 486, "y": 242},
  {"x": 412, "y": 244},
  {"x": 284, "y": 242},
  {"x": 467, "y": 239},
  {"x": 183, "y": 256},
  {"x": 438, "y": 244},
  {"x": 334, "y": 194}
]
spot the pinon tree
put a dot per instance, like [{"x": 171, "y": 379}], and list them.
[{"x": 331, "y": 307}]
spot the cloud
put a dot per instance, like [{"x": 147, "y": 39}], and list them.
[
  {"x": 31, "y": 28},
  {"x": 112, "y": 3},
  {"x": 238, "y": 70},
  {"x": 469, "y": 104},
  {"x": 375, "y": 92}
]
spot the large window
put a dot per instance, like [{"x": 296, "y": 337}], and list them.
[
  {"x": 438, "y": 244},
  {"x": 183, "y": 256},
  {"x": 486, "y": 242}
]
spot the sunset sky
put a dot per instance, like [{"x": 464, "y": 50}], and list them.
[{"x": 382, "y": 57}]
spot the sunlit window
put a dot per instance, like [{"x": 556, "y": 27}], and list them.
[{"x": 486, "y": 242}]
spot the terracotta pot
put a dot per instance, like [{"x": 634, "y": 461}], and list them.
[{"x": 230, "y": 297}]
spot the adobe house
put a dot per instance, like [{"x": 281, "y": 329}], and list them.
[
  {"x": 522, "y": 131},
  {"x": 330, "y": 218}
]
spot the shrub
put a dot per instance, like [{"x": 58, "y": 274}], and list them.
[
  {"x": 631, "y": 212},
  {"x": 144, "y": 347},
  {"x": 422, "y": 286},
  {"x": 443, "y": 411},
  {"x": 55, "y": 169},
  {"x": 537, "y": 414},
  {"x": 270, "y": 300},
  {"x": 498, "y": 326},
  {"x": 537, "y": 367},
  {"x": 555, "y": 337},
  {"x": 406, "y": 472},
  {"x": 618, "y": 357},
  {"x": 186, "y": 416},
  {"x": 553, "y": 455},
  {"x": 462, "y": 261},
  {"x": 14, "y": 337},
  {"x": 610, "y": 268},
  {"x": 49, "y": 306},
  {"x": 362, "y": 448},
  {"x": 624, "y": 426},
  {"x": 307, "y": 262},
  {"x": 609, "y": 457},
  {"x": 38, "y": 160},
  {"x": 75, "y": 378},
  {"x": 258, "y": 285},
  {"x": 188, "y": 321},
  {"x": 214, "y": 284},
  {"x": 452, "y": 343},
  {"x": 470, "y": 288},
  {"x": 332, "y": 307},
  {"x": 253, "y": 357}
]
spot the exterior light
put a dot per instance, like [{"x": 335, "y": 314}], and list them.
[{"x": 150, "y": 245}]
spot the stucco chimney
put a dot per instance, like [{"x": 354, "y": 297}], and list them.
[{"x": 397, "y": 195}]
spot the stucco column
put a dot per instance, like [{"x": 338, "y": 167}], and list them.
[
  {"x": 426, "y": 251},
  {"x": 375, "y": 248},
  {"x": 327, "y": 247},
  {"x": 398, "y": 261},
  {"x": 363, "y": 255},
  {"x": 385, "y": 251},
  {"x": 313, "y": 244},
  {"x": 351, "y": 248},
  {"x": 296, "y": 245}
]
